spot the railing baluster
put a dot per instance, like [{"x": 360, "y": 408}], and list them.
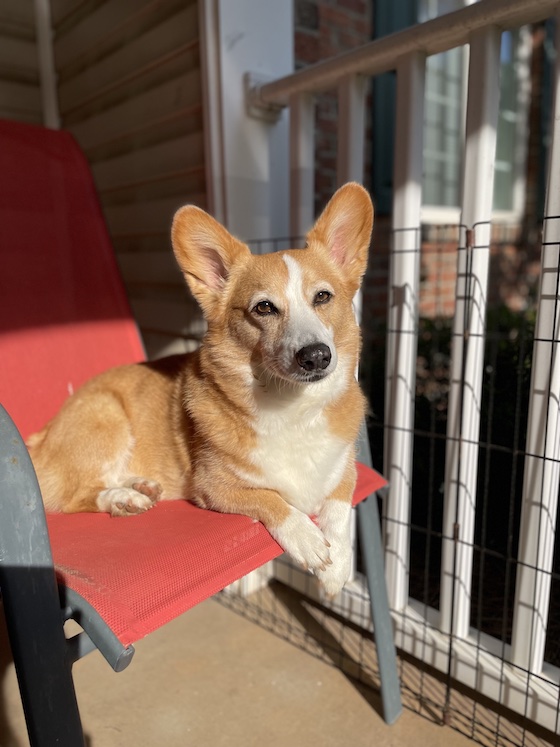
[
  {"x": 350, "y": 167},
  {"x": 542, "y": 468},
  {"x": 351, "y": 129},
  {"x": 302, "y": 163},
  {"x": 402, "y": 332},
  {"x": 467, "y": 348}
]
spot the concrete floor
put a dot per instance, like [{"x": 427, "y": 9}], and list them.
[{"x": 214, "y": 679}]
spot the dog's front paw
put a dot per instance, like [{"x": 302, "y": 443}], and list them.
[
  {"x": 127, "y": 501},
  {"x": 303, "y": 541},
  {"x": 334, "y": 576},
  {"x": 334, "y": 519}
]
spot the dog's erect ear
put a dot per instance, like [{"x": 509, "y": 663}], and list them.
[
  {"x": 344, "y": 228},
  {"x": 206, "y": 252}
]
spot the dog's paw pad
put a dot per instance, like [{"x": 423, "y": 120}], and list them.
[
  {"x": 150, "y": 488},
  {"x": 123, "y": 502}
]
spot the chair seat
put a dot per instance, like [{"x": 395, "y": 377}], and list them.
[{"x": 141, "y": 572}]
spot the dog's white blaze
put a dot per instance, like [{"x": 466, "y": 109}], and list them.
[{"x": 304, "y": 326}]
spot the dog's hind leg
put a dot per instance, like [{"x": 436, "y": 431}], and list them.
[
  {"x": 83, "y": 459},
  {"x": 135, "y": 496}
]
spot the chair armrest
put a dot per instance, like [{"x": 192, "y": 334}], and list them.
[{"x": 24, "y": 539}]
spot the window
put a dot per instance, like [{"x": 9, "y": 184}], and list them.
[
  {"x": 444, "y": 114},
  {"x": 444, "y": 119}
]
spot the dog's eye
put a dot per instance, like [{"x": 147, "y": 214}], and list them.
[
  {"x": 322, "y": 297},
  {"x": 264, "y": 308}
]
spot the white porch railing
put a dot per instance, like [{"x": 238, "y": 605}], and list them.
[{"x": 519, "y": 678}]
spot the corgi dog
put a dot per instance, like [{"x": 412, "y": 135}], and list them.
[{"x": 261, "y": 420}]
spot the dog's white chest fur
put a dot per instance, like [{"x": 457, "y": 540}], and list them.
[{"x": 296, "y": 454}]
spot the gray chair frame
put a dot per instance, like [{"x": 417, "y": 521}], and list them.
[{"x": 36, "y": 609}]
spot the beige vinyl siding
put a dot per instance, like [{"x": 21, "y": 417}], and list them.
[
  {"x": 129, "y": 86},
  {"x": 20, "y": 94}
]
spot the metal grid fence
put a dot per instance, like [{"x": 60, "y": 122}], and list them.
[
  {"x": 341, "y": 634},
  {"x": 465, "y": 392}
]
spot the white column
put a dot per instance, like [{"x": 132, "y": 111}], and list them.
[
  {"x": 47, "y": 71},
  {"x": 542, "y": 468},
  {"x": 467, "y": 347},
  {"x": 402, "y": 332},
  {"x": 214, "y": 160},
  {"x": 254, "y": 36}
]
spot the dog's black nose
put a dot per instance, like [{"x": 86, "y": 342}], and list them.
[{"x": 314, "y": 357}]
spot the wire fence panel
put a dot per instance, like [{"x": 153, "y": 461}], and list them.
[{"x": 462, "y": 372}]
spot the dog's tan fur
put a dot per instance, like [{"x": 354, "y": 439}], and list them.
[{"x": 205, "y": 425}]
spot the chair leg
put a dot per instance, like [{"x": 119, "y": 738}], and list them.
[
  {"x": 372, "y": 554},
  {"x": 41, "y": 660},
  {"x": 370, "y": 539}
]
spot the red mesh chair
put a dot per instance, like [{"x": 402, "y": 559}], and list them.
[{"x": 64, "y": 317}]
